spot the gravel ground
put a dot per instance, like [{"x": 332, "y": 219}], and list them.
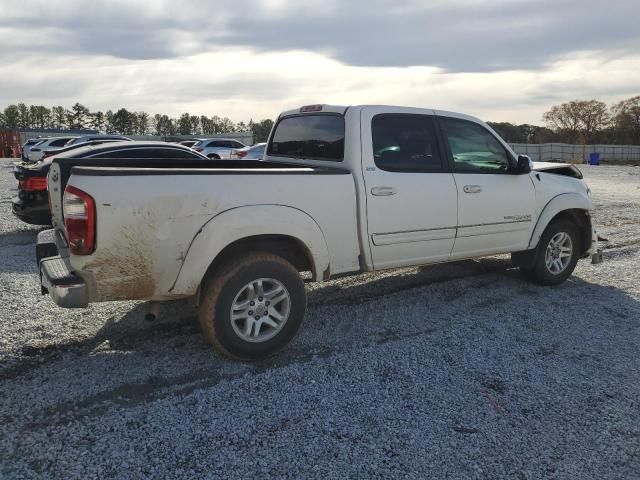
[{"x": 454, "y": 371}]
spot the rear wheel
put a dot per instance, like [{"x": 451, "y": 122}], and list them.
[
  {"x": 252, "y": 306},
  {"x": 556, "y": 254}
]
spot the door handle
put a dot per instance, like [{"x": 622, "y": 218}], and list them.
[
  {"x": 472, "y": 189},
  {"x": 383, "y": 191}
]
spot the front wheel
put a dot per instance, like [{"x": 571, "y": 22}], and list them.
[
  {"x": 252, "y": 306},
  {"x": 214, "y": 156},
  {"x": 556, "y": 254}
]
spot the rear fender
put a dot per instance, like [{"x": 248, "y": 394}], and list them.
[{"x": 244, "y": 222}]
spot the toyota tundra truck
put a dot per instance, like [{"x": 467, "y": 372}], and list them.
[{"x": 340, "y": 191}]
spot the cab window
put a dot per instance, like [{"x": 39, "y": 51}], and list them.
[
  {"x": 405, "y": 143},
  {"x": 319, "y": 137},
  {"x": 473, "y": 147}
]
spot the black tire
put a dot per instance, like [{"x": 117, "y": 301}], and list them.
[
  {"x": 214, "y": 156},
  {"x": 540, "y": 272},
  {"x": 222, "y": 287}
]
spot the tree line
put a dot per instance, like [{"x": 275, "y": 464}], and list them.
[
  {"x": 577, "y": 121},
  {"x": 580, "y": 122},
  {"x": 125, "y": 122}
]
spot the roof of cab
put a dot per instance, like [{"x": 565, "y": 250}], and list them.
[{"x": 341, "y": 109}]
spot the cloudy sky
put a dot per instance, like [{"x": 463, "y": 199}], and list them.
[{"x": 502, "y": 60}]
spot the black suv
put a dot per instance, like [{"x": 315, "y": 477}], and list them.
[{"x": 31, "y": 205}]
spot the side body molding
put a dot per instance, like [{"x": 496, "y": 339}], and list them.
[
  {"x": 559, "y": 203},
  {"x": 243, "y": 222}
]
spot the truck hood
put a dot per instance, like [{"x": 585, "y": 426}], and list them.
[{"x": 557, "y": 168}]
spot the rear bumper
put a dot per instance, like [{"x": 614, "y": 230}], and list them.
[{"x": 56, "y": 276}]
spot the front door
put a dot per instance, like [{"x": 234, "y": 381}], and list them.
[
  {"x": 411, "y": 195},
  {"x": 495, "y": 206}
]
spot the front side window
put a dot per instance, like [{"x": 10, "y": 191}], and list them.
[
  {"x": 318, "y": 137},
  {"x": 405, "y": 143},
  {"x": 473, "y": 147}
]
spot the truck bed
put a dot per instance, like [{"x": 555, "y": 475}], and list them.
[{"x": 152, "y": 216}]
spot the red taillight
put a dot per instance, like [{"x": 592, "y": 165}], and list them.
[
  {"x": 79, "y": 210},
  {"x": 47, "y": 154},
  {"x": 198, "y": 149},
  {"x": 33, "y": 184},
  {"x": 241, "y": 153}
]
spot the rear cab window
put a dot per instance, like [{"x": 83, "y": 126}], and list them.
[{"x": 310, "y": 136}]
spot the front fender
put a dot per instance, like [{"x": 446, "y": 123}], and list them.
[
  {"x": 559, "y": 203},
  {"x": 242, "y": 222}
]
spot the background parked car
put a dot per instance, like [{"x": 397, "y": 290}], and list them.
[
  {"x": 26, "y": 147},
  {"x": 37, "y": 151},
  {"x": 217, "y": 147},
  {"x": 190, "y": 143},
  {"x": 31, "y": 204},
  {"x": 89, "y": 138},
  {"x": 254, "y": 152}
]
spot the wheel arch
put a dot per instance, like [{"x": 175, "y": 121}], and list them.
[
  {"x": 572, "y": 207},
  {"x": 289, "y": 233}
]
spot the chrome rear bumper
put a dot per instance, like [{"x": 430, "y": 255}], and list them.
[{"x": 56, "y": 277}]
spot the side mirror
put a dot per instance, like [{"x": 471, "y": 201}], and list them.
[{"x": 525, "y": 165}]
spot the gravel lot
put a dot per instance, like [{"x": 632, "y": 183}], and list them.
[{"x": 456, "y": 371}]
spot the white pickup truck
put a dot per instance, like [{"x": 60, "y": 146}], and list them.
[{"x": 341, "y": 190}]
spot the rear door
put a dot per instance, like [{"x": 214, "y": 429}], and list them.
[
  {"x": 411, "y": 195},
  {"x": 495, "y": 206}
]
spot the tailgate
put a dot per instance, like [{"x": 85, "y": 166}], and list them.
[{"x": 54, "y": 184}]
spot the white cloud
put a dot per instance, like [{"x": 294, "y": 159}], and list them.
[
  {"x": 498, "y": 59},
  {"x": 244, "y": 84}
]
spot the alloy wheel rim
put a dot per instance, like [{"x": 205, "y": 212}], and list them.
[
  {"x": 558, "y": 253},
  {"x": 260, "y": 310}
]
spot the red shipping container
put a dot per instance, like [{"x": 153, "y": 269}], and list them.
[{"x": 10, "y": 146}]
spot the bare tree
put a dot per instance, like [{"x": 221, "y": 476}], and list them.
[
  {"x": 184, "y": 124},
  {"x": 96, "y": 120},
  {"x": 594, "y": 117},
  {"x": 578, "y": 119},
  {"x": 565, "y": 118},
  {"x": 59, "y": 115},
  {"x": 626, "y": 119},
  {"x": 24, "y": 117},
  {"x": 142, "y": 123},
  {"x": 11, "y": 116}
]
